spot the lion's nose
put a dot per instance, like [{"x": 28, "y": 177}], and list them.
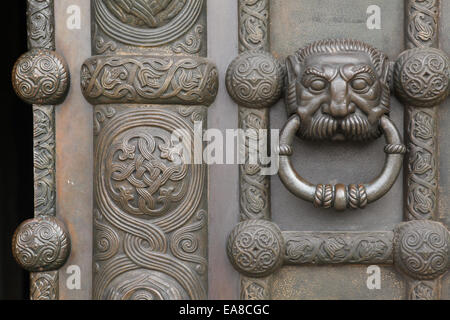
[
  {"x": 339, "y": 110},
  {"x": 340, "y": 100}
]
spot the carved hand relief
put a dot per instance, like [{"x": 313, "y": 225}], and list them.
[{"x": 338, "y": 90}]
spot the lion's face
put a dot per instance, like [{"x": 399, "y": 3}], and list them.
[{"x": 338, "y": 96}]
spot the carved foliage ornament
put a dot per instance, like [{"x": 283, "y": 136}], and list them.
[
  {"x": 422, "y": 249},
  {"x": 149, "y": 79},
  {"x": 41, "y": 77},
  {"x": 41, "y": 244},
  {"x": 255, "y": 248},
  {"x": 146, "y": 22},
  {"x": 255, "y": 79},
  {"x": 421, "y": 77}
]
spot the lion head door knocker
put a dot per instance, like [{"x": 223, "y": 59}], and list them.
[{"x": 338, "y": 90}]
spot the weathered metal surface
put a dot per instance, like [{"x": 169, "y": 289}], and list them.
[
  {"x": 335, "y": 283},
  {"x": 223, "y": 204},
  {"x": 74, "y": 152}
]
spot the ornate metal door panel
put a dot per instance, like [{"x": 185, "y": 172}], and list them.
[
  {"x": 330, "y": 108},
  {"x": 363, "y": 179}
]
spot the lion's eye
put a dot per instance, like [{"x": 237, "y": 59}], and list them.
[
  {"x": 318, "y": 85},
  {"x": 359, "y": 84}
]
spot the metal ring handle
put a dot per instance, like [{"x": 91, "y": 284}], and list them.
[{"x": 340, "y": 196}]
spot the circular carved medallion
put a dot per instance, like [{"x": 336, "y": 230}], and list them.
[
  {"x": 422, "y": 249},
  {"x": 146, "y": 22},
  {"x": 255, "y": 248},
  {"x": 421, "y": 77},
  {"x": 255, "y": 79},
  {"x": 41, "y": 244},
  {"x": 41, "y": 76},
  {"x": 144, "y": 173}
]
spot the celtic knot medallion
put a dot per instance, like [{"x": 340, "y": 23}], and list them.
[
  {"x": 422, "y": 249},
  {"x": 146, "y": 172},
  {"x": 41, "y": 244},
  {"x": 41, "y": 77},
  {"x": 255, "y": 248},
  {"x": 421, "y": 77},
  {"x": 255, "y": 79}
]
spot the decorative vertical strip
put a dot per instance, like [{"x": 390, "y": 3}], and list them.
[
  {"x": 254, "y": 188},
  {"x": 421, "y": 98},
  {"x": 41, "y": 34},
  {"x": 41, "y": 77},
  {"x": 421, "y": 121},
  {"x": 149, "y": 83}
]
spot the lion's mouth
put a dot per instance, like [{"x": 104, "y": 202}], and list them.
[{"x": 354, "y": 127}]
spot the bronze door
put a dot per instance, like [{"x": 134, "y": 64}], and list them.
[{"x": 350, "y": 98}]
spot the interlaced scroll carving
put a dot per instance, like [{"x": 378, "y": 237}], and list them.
[
  {"x": 253, "y": 25},
  {"x": 44, "y": 160},
  {"x": 255, "y": 289},
  {"x": 146, "y": 23},
  {"x": 422, "y": 249},
  {"x": 255, "y": 248},
  {"x": 421, "y": 179},
  {"x": 422, "y": 290},
  {"x": 149, "y": 79},
  {"x": 421, "y": 77},
  {"x": 41, "y": 24},
  {"x": 332, "y": 248},
  {"x": 41, "y": 77},
  {"x": 255, "y": 187},
  {"x": 44, "y": 285},
  {"x": 255, "y": 79},
  {"x": 150, "y": 228},
  {"x": 422, "y": 25},
  {"x": 192, "y": 43}
]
